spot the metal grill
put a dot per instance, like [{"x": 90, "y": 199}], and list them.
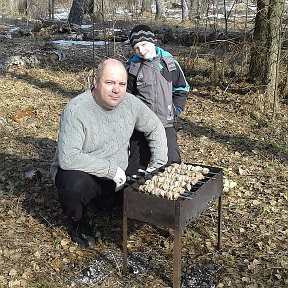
[{"x": 175, "y": 214}]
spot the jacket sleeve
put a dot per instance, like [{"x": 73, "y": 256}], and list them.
[
  {"x": 131, "y": 79},
  {"x": 180, "y": 87}
]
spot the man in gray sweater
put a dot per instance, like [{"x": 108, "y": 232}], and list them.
[{"x": 93, "y": 145}]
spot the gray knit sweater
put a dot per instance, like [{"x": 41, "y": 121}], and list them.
[{"x": 96, "y": 140}]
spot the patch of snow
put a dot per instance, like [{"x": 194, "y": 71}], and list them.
[
  {"x": 219, "y": 16},
  {"x": 123, "y": 12},
  {"x": 15, "y": 29},
  {"x": 85, "y": 26},
  {"x": 173, "y": 14},
  {"x": 61, "y": 14},
  {"x": 78, "y": 43},
  {"x": 2, "y": 120},
  {"x": 75, "y": 37}
]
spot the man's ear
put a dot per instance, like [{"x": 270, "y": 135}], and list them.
[{"x": 95, "y": 81}]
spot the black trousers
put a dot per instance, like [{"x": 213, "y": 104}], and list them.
[
  {"x": 76, "y": 189},
  {"x": 140, "y": 151}
]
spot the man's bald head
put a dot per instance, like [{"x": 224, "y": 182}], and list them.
[{"x": 109, "y": 63}]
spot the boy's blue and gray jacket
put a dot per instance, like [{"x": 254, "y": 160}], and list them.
[{"x": 160, "y": 83}]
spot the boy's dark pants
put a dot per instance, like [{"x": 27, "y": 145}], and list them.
[{"x": 140, "y": 152}]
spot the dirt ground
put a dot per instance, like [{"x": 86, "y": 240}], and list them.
[{"x": 227, "y": 126}]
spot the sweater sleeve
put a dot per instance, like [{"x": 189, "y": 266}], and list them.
[
  {"x": 70, "y": 148},
  {"x": 148, "y": 123}
]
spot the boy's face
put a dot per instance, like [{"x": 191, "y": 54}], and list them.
[{"x": 145, "y": 50}]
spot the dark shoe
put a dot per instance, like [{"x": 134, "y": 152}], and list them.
[{"x": 81, "y": 233}]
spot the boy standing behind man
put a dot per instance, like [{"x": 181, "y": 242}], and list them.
[{"x": 157, "y": 79}]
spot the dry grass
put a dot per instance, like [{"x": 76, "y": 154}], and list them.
[{"x": 220, "y": 127}]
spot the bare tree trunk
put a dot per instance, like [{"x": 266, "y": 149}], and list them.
[
  {"x": 215, "y": 10},
  {"x": 89, "y": 7},
  {"x": 259, "y": 50},
  {"x": 185, "y": 10},
  {"x": 246, "y": 17},
  {"x": 51, "y": 6},
  {"x": 78, "y": 9},
  {"x": 76, "y": 12},
  {"x": 23, "y": 7},
  {"x": 275, "y": 14},
  {"x": 160, "y": 9},
  {"x": 94, "y": 7},
  {"x": 191, "y": 9},
  {"x": 207, "y": 8},
  {"x": 131, "y": 6},
  {"x": 146, "y": 7}
]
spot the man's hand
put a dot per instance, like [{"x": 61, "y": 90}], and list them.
[{"x": 119, "y": 179}]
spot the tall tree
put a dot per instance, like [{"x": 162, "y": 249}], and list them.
[
  {"x": 23, "y": 7},
  {"x": 191, "y": 4},
  {"x": 160, "y": 9},
  {"x": 275, "y": 14},
  {"x": 76, "y": 12},
  {"x": 78, "y": 9},
  {"x": 145, "y": 7},
  {"x": 265, "y": 53},
  {"x": 185, "y": 9},
  {"x": 259, "y": 48},
  {"x": 51, "y": 6}
]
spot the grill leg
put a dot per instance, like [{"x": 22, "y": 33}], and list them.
[
  {"x": 177, "y": 258},
  {"x": 219, "y": 223},
  {"x": 124, "y": 243}
]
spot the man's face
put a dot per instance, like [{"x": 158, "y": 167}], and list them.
[
  {"x": 110, "y": 88},
  {"x": 145, "y": 50}
]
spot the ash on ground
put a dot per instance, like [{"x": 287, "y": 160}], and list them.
[
  {"x": 143, "y": 263},
  {"x": 199, "y": 275},
  {"x": 111, "y": 262}
]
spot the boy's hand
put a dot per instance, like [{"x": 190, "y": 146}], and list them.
[{"x": 178, "y": 110}]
